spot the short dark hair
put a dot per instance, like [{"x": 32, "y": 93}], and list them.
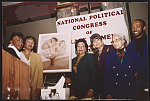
[
  {"x": 19, "y": 34},
  {"x": 82, "y": 40},
  {"x": 30, "y": 37},
  {"x": 94, "y": 36},
  {"x": 143, "y": 22}
]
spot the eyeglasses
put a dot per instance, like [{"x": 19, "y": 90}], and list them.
[{"x": 117, "y": 40}]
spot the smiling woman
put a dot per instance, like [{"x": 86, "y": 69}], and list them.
[
  {"x": 83, "y": 71},
  {"x": 35, "y": 62}
]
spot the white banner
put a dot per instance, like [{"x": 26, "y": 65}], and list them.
[{"x": 106, "y": 23}]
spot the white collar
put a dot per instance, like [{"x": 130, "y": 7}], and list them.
[{"x": 15, "y": 49}]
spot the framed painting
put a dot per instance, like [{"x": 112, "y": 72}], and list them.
[{"x": 55, "y": 50}]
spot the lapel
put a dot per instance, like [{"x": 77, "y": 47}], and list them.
[
  {"x": 32, "y": 63},
  {"x": 116, "y": 58},
  {"x": 80, "y": 62}
]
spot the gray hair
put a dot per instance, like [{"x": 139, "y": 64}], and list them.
[{"x": 123, "y": 37}]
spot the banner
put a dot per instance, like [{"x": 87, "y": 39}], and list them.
[{"x": 106, "y": 23}]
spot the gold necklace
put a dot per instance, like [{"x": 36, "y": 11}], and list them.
[{"x": 26, "y": 55}]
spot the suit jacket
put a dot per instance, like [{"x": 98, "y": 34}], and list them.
[
  {"x": 120, "y": 80},
  {"x": 85, "y": 77},
  {"x": 144, "y": 61},
  {"x": 37, "y": 71}
]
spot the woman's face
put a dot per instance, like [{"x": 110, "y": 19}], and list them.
[
  {"x": 81, "y": 49},
  {"x": 117, "y": 42},
  {"x": 29, "y": 44},
  {"x": 97, "y": 43}
]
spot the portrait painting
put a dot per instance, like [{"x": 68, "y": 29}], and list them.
[{"x": 55, "y": 50}]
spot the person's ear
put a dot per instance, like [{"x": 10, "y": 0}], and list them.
[
  {"x": 144, "y": 28},
  {"x": 123, "y": 42},
  {"x": 11, "y": 42}
]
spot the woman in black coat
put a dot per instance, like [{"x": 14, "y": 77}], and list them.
[{"x": 83, "y": 74}]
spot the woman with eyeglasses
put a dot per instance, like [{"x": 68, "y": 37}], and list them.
[{"x": 122, "y": 72}]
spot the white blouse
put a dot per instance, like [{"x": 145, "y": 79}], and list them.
[{"x": 24, "y": 59}]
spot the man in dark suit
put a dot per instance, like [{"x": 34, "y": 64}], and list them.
[
  {"x": 16, "y": 44},
  {"x": 140, "y": 44}
]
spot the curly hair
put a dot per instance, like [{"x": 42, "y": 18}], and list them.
[
  {"x": 33, "y": 38},
  {"x": 82, "y": 40},
  {"x": 19, "y": 34}
]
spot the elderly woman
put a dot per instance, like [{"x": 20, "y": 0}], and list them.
[
  {"x": 83, "y": 71},
  {"x": 100, "y": 50},
  {"x": 35, "y": 62},
  {"x": 122, "y": 70}
]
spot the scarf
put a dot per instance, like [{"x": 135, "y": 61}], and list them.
[{"x": 121, "y": 54}]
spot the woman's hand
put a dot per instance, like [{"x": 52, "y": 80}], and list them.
[
  {"x": 73, "y": 98},
  {"x": 90, "y": 93}
]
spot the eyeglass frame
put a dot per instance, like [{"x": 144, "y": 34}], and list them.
[{"x": 117, "y": 40}]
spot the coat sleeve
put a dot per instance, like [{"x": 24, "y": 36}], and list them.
[
  {"x": 92, "y": 71},
  {"x": 108, "y": 77},
  {"x": 40, "y": 71}
]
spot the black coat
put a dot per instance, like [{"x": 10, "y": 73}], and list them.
[{"x": 85, "y": 77}]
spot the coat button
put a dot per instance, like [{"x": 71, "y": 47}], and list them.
[
  {"x": 114, "y": 67},
  {"x": 129, "y": 66},
  {"x": 117, "y": 74},
  {"x": 116, "y": 83},
  {"x": 129, "y": 83},
  {"x": 125, "y": 75}
]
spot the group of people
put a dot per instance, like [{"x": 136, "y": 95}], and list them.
[
  {"x": 117, "y": 71},
  {"x": 24, "y": 49}
]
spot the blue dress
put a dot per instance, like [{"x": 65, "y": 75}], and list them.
[{"x": 120, "y": 80}]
